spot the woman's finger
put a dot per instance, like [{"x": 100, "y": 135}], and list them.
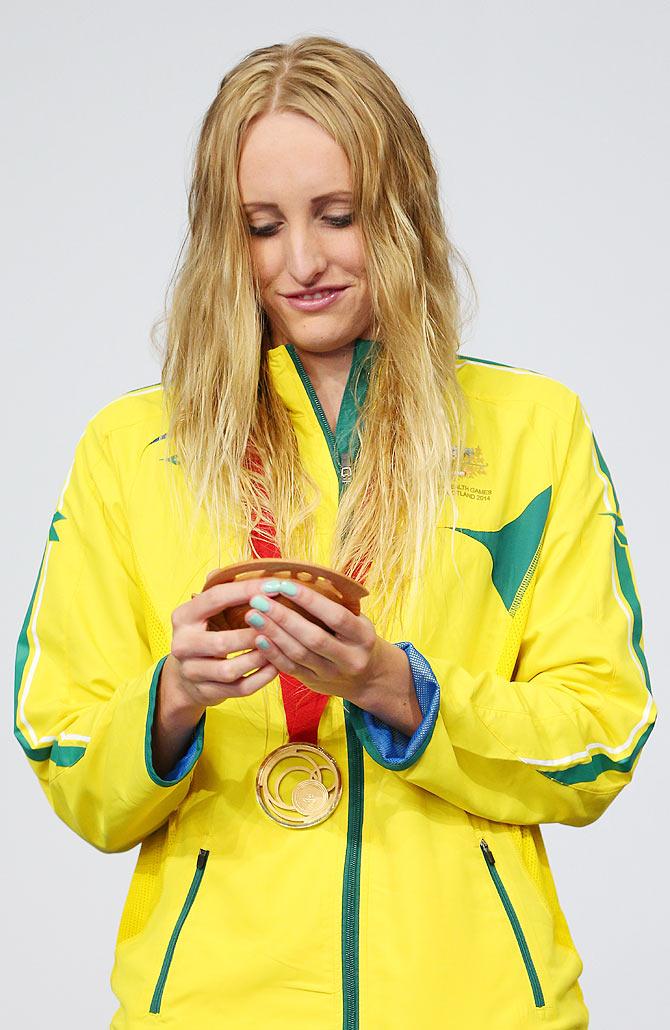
[
  {"x": 213, "y": 600},
  {"x": 225, "y": 672},
  {"x": 295, "y": 653},
  {"x": 215, "y": 692},
  {"x": 254, "y": 681},
  {"x": 203, "y": 643},
  {"x": 344, "y": 623},
  {"x": 297, "y": 636}
]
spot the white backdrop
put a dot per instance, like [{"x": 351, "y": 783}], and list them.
[{"x": 549, "y": 125}]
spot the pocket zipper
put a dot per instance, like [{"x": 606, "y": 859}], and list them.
[
  {"x": 516, "y": 925},
  {"x": 172, "y": 943}
]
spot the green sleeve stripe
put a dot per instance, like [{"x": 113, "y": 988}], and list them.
[
  {"x": 22, "y": 654},
  {"x": 624, "y": 572},
  {"x": 589, "y": 771},
  {"x": 63, "y": 755},
  {"x": 66, "y": 755}
]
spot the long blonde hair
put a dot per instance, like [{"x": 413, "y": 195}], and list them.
[{"x": 219, "y": 394}]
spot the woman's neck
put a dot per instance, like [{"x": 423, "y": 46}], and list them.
[
  {"x": 328, "y": 373},
  {"x": 330, "y": 368}
]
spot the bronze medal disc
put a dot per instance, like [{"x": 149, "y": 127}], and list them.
[{"x": 298, "y": 785}]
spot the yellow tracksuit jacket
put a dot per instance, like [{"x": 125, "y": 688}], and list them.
[{"x": 426, "y": 899}]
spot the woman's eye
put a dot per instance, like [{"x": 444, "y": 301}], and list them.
[
  {"x": 338, "y": 221},
  {"x": 262, "y": 230}
]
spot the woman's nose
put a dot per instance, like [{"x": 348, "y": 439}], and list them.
[{"x": 304, "y": 255}]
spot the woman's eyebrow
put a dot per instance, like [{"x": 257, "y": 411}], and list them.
[{"x": 339, "y": 194}]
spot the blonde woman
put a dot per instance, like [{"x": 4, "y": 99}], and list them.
[{"x": 495, "y": 679}]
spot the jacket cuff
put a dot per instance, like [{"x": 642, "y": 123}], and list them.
[
  {"x": 388, "y": 746},
  {"x": 191, "y": 755}
]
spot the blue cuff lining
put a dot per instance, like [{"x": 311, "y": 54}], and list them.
[
  {"x": 387, "y": 745},
  {"x": 187, "y": 760}
]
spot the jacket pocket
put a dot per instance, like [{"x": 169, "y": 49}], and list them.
[
  {"x": 516, "y": 925},
  {"x": 172, "y": 943}
]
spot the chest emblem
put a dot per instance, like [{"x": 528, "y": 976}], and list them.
[{"x": 473, "y": 463}]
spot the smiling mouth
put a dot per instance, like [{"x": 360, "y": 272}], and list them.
[
  {"x": 315, "y": 295},
  {"x": 314, "y": 303}
]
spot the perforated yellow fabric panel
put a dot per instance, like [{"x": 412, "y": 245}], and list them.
[
  {"x": 512, "y": 642},
  {"x": 160, "y": 641},
  {"x": 140, "y": 899},
  {"x": 146, "y": 877},
  {"x": 159, "y": 635}
]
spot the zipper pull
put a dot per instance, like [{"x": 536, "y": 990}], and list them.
[
  {"x": 346, "y": 471},
  {"x": 486, "y": 851},
  {"x": 202, "y": 858}
]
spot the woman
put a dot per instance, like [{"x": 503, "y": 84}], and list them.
[{"x": 495, "y": 680}]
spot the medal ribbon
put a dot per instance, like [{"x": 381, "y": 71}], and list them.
[{"x": 303, "y": 707}]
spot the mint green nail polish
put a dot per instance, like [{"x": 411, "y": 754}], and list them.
[
  {"x": 259, "y": 602},
  {"x": 262, "y": 643},
  {"x": 256, "y": 620},
  {"x": 272, "y": 586},
  {"x": 287, "y": 587}
]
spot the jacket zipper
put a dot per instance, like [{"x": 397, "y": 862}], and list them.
[
  {"x": 172, "y": 943},
  {"x": 351, "y": 881},
  {"x": 352, "y": 858},
  {"x": 516, "y": 925},
  {"x": 343, "y": 467}
]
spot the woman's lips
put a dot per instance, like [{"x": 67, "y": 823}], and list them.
[{"x": 318, "y": 304}]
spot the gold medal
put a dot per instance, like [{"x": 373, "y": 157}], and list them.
[{"x": 298, "y": 784}]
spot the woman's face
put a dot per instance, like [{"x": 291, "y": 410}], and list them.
[{"x": 295, "y": 185}]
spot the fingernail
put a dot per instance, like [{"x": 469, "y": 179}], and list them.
[
  {"x": 256, "y": 620},
  {"x": 261, "y": 603},
  {"x": 271, "y": 587},
  {"x": 287, "y": 587},
  {"x": 262, "y": 643}
]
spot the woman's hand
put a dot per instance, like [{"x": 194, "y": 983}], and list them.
[
  {"x": 202, "y": 670},
  {"x": 355, "y": 663},
  {"x": 198, "y": 673}
]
